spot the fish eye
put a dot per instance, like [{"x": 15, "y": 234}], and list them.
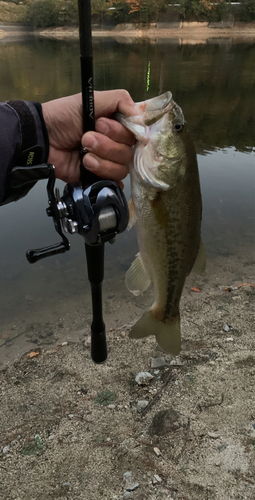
[{"x": 178, "y": 126}]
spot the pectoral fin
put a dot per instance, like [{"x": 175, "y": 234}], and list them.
[
  {"x": 137, "y": 279},
  {"x": 200, "y": 262},
  {"x": 132, "y": 214}
]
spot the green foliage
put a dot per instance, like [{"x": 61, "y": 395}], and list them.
[
  {"x": 105, "y": 398},
  {"x": 67, "y": 12},
  {"x": 12, "y": 13},
  {"x": 202, "y": 10},
  {"x": 42, "y": 13},
  {"x": 46, "y": 13},
  {"x": 247, "y": 10},
  {"x": 34, "y": 447}
]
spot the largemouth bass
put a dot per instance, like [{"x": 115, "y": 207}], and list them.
[{"x": 166, "y": 208}]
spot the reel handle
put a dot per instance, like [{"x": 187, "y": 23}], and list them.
[{"x": 41, "y": 253}]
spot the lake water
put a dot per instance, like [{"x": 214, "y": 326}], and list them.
[{"x": 214, "y": 83}]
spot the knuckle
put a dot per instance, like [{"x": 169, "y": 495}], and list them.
[{"x": 125, "y": 94}]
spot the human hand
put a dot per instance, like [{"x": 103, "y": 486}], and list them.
[{"x": 109, "y": 146}]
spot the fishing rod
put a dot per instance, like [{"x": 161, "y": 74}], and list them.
[
  {"x": 96, "y": 209},
  {"x": 94, "y": 254}
]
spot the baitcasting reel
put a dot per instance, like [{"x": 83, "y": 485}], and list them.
[{"x": 97, "y": 213}]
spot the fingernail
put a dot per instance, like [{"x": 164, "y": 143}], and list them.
[
  {"x": 91, "y": 162},
  {"x": 89, "y": 142}
]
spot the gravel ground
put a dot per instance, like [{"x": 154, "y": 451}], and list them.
[{"x": 71, "y": 429}]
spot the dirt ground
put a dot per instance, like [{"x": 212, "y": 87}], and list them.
[{"x": 71, "y": 429}]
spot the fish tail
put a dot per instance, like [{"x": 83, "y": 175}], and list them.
[{"x": 168, "y": 333}]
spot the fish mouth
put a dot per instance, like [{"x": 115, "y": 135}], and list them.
[
  {"x": 156, "y": 104},
  {"x": 156, "y": 107}
]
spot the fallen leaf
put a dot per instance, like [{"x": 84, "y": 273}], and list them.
[
  {"x": 5, "y": 335},
  {"x": 243, "y": 284},
  {"x": 33, "y": 354},
  {"x": 195, "y": 289},
  {"x": 253, "y": 285}
]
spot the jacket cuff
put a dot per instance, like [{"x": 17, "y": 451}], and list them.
[
  {"x": 32, "y": 148},
  {"x": 35, "y": 141}
]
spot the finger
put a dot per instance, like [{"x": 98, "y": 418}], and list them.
[
  {"x": 106, "y": 148},
  {"x": 104, "y": 168},
  {"x": 110, "y": 101},
  {"x": 113, "y": 129}
]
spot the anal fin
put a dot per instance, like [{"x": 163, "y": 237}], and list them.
[{"x": 137, "y": 279}]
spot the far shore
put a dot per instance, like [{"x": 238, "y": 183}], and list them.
[{"x": 189, "y": 33}]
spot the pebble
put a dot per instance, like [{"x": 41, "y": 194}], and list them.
[
  {"x": 157, "y": 451},
  {"x": 229, "y": 339},
  {"x": 127, "y": 494},
  {"x": 112, "y": 407},
  {"x": 225, "y": 328},
  {"x": 156, "y": 479},
  {"x": 141, "y": 404},
  {"x": 158, "y": 362},
  {"x": 6, "y": 449},
  {"x": 213, "y": 435},
  {"x": 87, "y": 341},
  {"x": 122, "y": 335},
  {"x": 143, "y": 378},
  {"x": 64, "y": 343},
  {"x": 176, "y": 362},
  {"x": 131, "y": 484},
  {"x": 71, "y": 415}
]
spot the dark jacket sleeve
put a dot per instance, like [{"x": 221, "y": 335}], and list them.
[{"x": 23, "y": 142}]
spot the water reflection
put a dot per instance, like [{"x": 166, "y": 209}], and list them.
[{"x": 213, "y": 84}]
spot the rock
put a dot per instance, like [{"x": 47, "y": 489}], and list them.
[
  {"x": 158, "y": 362},
  {"x": 176, "y": 362},
  {"x": 213, "y": 435},
  {"x": 123, "y": 334},
  {"x": 127, "y": 494},
  {"x": 229, "y": 339},
  {"x": 6, "y": 449},
  {"x": 130, "y": 483},
  {"x": 87, "y": 341},
  {"x": 143, "y": 378},
  {"x": 157, "y": 451},
  {"x": 65, "y": 485},
  {"x": 225, "y": 328},
  {"x": 142, "y": 404},
  {"x": 164, "y": 422},
  {"x": 156, "y": 479}
]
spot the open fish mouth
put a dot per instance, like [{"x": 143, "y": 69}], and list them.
[{"x": 156, "y": 103}]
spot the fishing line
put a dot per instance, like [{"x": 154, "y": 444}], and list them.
[{"x": 148, "y": 76}]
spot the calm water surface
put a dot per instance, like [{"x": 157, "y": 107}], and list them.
[{"x": 213, "y": 83}]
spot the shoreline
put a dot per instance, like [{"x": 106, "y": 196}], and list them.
[
  {"x": 182, "y": 33},
  {"x": 177, "y": 32}
]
